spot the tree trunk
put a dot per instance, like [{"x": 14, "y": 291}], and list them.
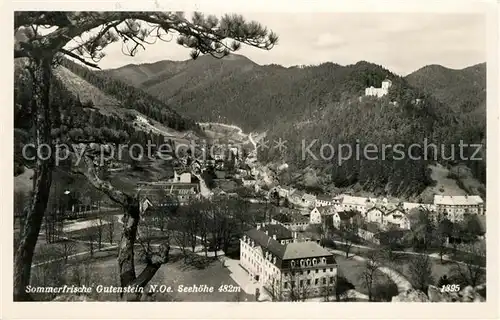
[
  {"x": 126, "y": 249},
  {"x": 41, "y": 75}
]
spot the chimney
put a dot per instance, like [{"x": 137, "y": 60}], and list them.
[{"x": 274, "y": 236}]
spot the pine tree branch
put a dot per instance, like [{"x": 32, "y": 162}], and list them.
[{"x": 77, "y": 57}]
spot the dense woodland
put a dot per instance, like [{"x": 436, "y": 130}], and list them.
[
  {"x": 323, "y": 102},
  {"x": 299, "y": 104},
  {"x": 132, "y": 98},
  {"x": 76, "y": 121}
]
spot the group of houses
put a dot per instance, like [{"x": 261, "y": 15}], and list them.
[
  {"x": 282, "y": 264},
  {"x": 378, "y": 216},
  {"x": 179, "y": 190}
]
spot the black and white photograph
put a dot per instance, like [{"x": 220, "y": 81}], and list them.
[{"x": 225, "y": 156}]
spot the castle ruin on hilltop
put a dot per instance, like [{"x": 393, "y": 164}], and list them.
[{"x": 379, "y": 92}]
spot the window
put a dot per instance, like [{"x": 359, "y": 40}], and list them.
[
  {"x": 285, "y": 285},
  {"x": 308, "y": 262},
  {"x": 308, "y": 271},
  {"x": 301, "y": 262},
  {"x": 316, "y": 281},
  {"x": 331, "y": 269},
  {"x": 324, "y": 270},
  {"x": 324, "y": 280},
  {"x": 317, "y": 270},
  {"x": 286, "y": 274},
  {"x": 301, "y": 283},
  {"x": 315, "y": 262},
  {"x": 331, "y": 280},
  {"x": 293, "y": 264},
  {"x": 308, "y": 282},
  {"x": 323, "y": 260},
  {"x": 293, "y": 284}
]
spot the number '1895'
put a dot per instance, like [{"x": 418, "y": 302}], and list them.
[{"x": 450, "y": 288}]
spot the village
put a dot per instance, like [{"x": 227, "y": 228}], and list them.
[{"x": 307, "y": 232}]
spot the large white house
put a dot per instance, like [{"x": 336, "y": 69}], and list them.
[
  {"x": 374, "y": 215},
  {"x": 396, "y": 218},
  {"x": 354, "y": 203},
  {"x": 283, "y": 266},
  {"x": 455, "y": 207},
  {"x": 379, "y": 92}
]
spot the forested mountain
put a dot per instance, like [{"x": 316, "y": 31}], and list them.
[
  {"x": 326, "y": 102},
  {"x": 463, "y": 90},
  {"x": 237, "y": 90}
]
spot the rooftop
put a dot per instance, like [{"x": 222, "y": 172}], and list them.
[
  {"x": 277, "y": 229},
  {"x": 307, "y": 249},
  {"x": 325, "y": 209},
  {"x": 359, "y": 201},
  {"x": 395, "y": 212},
  {"x": 267, "y": 242},
  {"x": 457, "y": 200}
]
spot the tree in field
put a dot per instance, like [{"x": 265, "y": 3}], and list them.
[
  {"x": 469, "y": 272},
  {"x": 110, "y": 227},
  {"x": 471, "y": 228},
  {"x": 274, "y": 287},
  {"x": 348, "y": 232},
  {"x": 420, "y": 272},
  {"x": 422, "y": 230},
  {"x": 67, "y": 247},
  {"x": 44, "y": 38},
  {"x": 367, "y": 276},
  {"x": 443, "y": 232},
  {"x": 99, "y": 224}
]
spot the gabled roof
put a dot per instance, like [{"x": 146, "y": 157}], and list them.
[
  {"x": 376, "y": 208},
  {"x": 266, "y": 242},
  {"x": 396, "y": 210},
  {"x": 326, "y": 209}
]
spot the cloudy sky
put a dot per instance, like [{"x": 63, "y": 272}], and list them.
[{"x": 402, "y": 42}]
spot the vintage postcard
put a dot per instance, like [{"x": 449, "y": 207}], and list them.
[{"x": 239, "y": 155}]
